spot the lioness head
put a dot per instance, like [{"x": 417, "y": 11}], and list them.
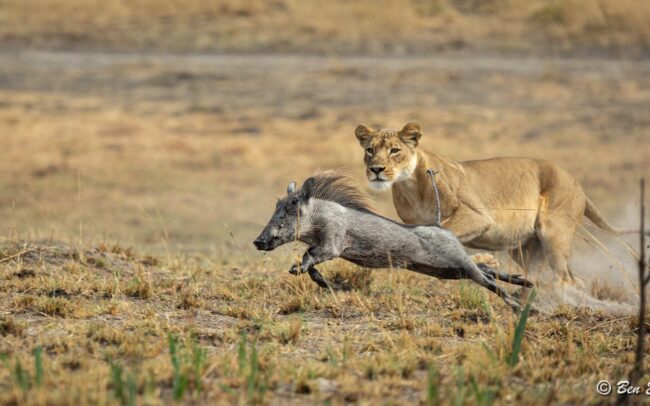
[{"x": 390, "y": 155}]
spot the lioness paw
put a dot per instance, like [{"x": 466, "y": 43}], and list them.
[{"x": 485, "y": 258}]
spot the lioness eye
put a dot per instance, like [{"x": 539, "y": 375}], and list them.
[
  {"x": 370, "y": 150},
  {"x": 394, "y": 150}
]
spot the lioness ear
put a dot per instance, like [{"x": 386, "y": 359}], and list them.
[
  {"x": 291, "y": 188},
  {"x": 411, "y": 134},
  {"x": 363, "y": 134},
  {"x": 307, "y": 189}
]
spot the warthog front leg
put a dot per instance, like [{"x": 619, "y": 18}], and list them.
[
  {"x": 313, "y": 256},
  {"x": 314, "y": 274},
  {"x": 317, "y": 277}
]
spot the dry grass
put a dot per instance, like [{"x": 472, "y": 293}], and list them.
[
  {"x": 369, "y": 344},
  {"x": 327, "y": 26},
  {"x": 597, "y": 21}
]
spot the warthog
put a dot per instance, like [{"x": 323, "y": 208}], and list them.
[{"x": 332, "y": 217}]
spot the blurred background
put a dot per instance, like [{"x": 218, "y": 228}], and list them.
[{"x": 173, "y": 125}]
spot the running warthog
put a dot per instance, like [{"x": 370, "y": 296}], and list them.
[{"x": 332, "y": 217}]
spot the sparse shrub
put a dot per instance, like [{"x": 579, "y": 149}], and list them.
[
  {"x": 254, "y": 379},
  {"x": 105, "y": 335},
  {"x": 150, "y": 261},
  {"x": 22, "y": 378},
  {"x": 301, "y": 383},
  {"x": 104, "y": 289},
  {"x": 54, "y": 306},
  {"x": 237, "y": 311},
  {"x": 470, "y": 297},
  {"x": 484, "y": 395},
  {"x": 9, "y": 326},
  {"x": 295, "y": 304},
  {"x": 98, "y": 262},
  {"x": 401, "y": 364},
  {"x": 404, "y": 322},
  {"x": 460, "y": 392},
  {"x": 189, "y": 300},
  {"x": 584, "y": 18},
  {"x": 139, "y": 287},
  {"x": 38, "y": 365},
  {"x": 24, "y": 302},
  {"x": 288, "y": 332},
  {"x": 349, "y": 277},
  {"x": 180, "y": 380},
  {"x": 188, "y": 365},
  {"x": 199, "y": 356},
  {"x": 125, "y": 391},
  {"x": 433, "y": 382},
  {"x": 520, "y": 328}
]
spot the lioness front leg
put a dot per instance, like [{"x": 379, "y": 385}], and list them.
[{"x": 468, "y": 223}]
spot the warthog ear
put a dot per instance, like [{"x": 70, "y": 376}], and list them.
[
  {"x": 363, "y": 134},
  {"x": 291, "y": 188},
  {"x": 411, "y": 134},
  {"x": 307, "y": 189}
]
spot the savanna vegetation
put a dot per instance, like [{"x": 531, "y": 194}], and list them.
[
  {"x": 143, "y": 144},
  {"x": 366, "y": 26},
  {"x": 106, "y": 325}
]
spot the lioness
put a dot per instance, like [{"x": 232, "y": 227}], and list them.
[{"x": 491, "y": 204}]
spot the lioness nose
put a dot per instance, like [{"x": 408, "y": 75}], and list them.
[{"x": 377, "y": 169}]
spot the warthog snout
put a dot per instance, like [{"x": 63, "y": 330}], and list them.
[{"x": 261, "y": 245}]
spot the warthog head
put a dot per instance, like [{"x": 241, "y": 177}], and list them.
[{"x": 289, "y": 218}]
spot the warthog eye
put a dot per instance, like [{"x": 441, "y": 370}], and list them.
[
  {"x": 370, "y": 150},
  {"x": 394, "y": 150}
]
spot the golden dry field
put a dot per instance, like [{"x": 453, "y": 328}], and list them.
[
  {"x": 144, "y": 143},
  {"x": 332, "y": 26}
]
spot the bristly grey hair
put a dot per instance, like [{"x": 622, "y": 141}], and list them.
[
  {"x": 315, "y": 216},
  {"x": 339, "y": 188}
]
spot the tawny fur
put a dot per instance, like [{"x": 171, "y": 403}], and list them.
[{"x": 528, "y": 206}]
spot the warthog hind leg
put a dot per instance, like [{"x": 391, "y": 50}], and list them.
[
  {"x": 504, "y": 277},
  {"x": 488, "y": 281}
]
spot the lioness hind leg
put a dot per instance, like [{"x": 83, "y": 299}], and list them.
[
  {"x": 555, "y": 230},
  {"x": 530, "y": 257}
]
